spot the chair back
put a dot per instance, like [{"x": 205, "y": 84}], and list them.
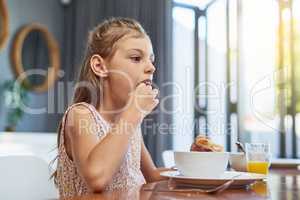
[{"x": 25, "y": 177}]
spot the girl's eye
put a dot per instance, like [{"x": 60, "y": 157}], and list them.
[{"x": 135, "y": 58}]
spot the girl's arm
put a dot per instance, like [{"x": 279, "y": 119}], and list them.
[
  {"x": 149, "y": 170},
  {"x": 98, "y": 160}
]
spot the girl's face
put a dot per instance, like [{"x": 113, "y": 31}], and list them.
[{"x": 131, "y": 64}]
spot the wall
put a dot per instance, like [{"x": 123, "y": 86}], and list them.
[{"x": 51, "y": 14}]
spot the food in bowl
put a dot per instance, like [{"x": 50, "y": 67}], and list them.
[
  {"x": 205, "y": 144},
  {"x": 205, "y": 159}
]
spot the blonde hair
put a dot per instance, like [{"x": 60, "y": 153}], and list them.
[{"x": 101, "y": 41}]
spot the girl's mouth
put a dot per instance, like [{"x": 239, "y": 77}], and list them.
[{"x": 146, "y": 81}]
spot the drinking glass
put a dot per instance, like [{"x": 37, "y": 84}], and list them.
[{"x": 258, "y": 157}]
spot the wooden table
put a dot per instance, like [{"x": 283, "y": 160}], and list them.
[{"x": 281, "y": 184}]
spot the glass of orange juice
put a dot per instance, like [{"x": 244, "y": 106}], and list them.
[{"x": 258, "y": 158}]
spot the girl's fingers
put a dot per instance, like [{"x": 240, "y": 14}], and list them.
[
  {"x": 153, "y": 95},
  {"x": 149, "y": 87},
  {"x": 155, "y": 91}
]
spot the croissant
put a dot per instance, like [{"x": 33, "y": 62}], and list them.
[{"x": 204, "y": 144}]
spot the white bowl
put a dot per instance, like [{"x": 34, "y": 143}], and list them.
[
  {"x": 238, "y": 161},
  {"x": 201, "y": 164}
]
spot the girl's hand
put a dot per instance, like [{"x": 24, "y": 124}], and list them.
[{"x": 141, "y": 102}]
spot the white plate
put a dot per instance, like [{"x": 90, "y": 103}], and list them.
[{"x": 241, "y": 178}]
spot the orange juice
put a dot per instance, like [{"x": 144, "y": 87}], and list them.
[
  {"x": 258, "y": 167},
  {"x": 260, "y": 188}
]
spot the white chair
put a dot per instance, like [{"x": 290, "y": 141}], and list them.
[
  {"x": 25, "y": 177},
  {"x": 168, "y": 158},
  {"x": 19, "y": 143}
]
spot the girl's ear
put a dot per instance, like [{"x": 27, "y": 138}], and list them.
[{"x": 98, "y": 66}]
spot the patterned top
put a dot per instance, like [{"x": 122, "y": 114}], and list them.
[{"x": 69, "y": 181}]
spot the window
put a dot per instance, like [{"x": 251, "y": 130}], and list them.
[
  {"x": 239, "y": 63},
  {"x": 183, "y": 61}
]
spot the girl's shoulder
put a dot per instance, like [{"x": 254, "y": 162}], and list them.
[
  {"x": 83, "y": 114},
  {"x": 82, "y": 109},
  {"x": 80, "y": 106}
]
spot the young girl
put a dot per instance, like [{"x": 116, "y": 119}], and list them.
[{"x": 100, "y": 146}]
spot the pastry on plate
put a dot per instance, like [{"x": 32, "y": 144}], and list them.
[{"x": 205, "y": 144}]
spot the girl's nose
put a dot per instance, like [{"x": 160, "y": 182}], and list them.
[{"x": 150, "y": 68}]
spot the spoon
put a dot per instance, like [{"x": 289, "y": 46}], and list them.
[{"x": 240, "y": 146}]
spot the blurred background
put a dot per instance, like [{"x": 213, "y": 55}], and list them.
[
  {"x": 248, "y": 53},
  {"x": 225, "y": 68}
]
